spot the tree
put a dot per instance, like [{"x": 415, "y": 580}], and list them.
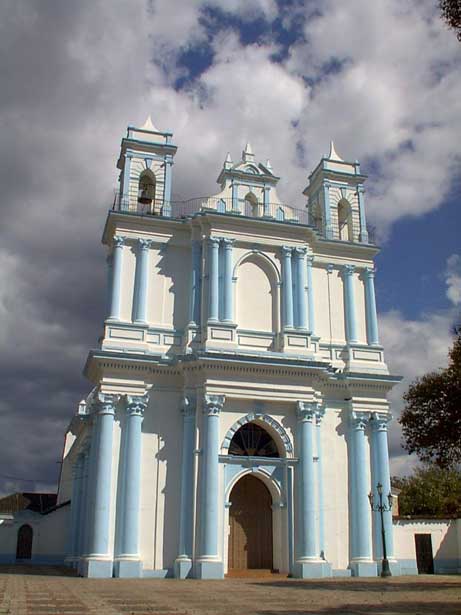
[
  {"x": 431, "y": 491},
  {"x": 431, "y": 419},
  {"x": 451, "y": 14}
]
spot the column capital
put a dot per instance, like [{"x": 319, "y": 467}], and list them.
[
  {"x": 330, "y": 268},
  {"x": 320, "y": 413},
  {"x": 136, "y": 404},
  {"x": 287, "y": 250},
  {"x": 379, "y": 420},
  {"x": 145, "y": 244},
  {"x": 106, "y": 404},
  {"x": 359, "y": 420},
  {"x": 369, "y": 272},
  {"x": 360, "y": 188},
  {"x": 306, "y": 410},
  {"x": 227, "y": 242},
  {"x": 310, "y": 259},
  {"x": 118, "y": 241},
  {"x": 213, "y": 404},
  {"x": 326, "y": 183},
  {"x": 299, "y": 252},
  {"x": 348, "y": 270},
  {"x": 213, "y": 242},
  {"x": 188, "y": 406}
]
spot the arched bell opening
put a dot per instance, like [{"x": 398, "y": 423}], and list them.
[
  {"x": 250, "y": 526},
  {"x": 252, "y": 440},
  {"x": 251, "y": 206},
  {"x": 345, "y": 221},
  {"x": 146, "y": 191},
  {"x": 24, "y": 542}
]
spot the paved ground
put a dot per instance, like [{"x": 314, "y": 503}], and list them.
[{"x": 46, "y": 591}]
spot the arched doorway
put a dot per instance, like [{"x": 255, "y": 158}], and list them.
[
  {"x": 250, "y": 517},
  {"x": 24, "y": 543}
]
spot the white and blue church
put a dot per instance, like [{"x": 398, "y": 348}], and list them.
[{"x": 238, "y": 417}]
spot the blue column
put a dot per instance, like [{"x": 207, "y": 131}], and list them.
[
  {"x": 363, "y": 222},
  {"x": 141, "y": 281},
  {"x": 208, "y": 564},
  {"x": 361, "y": 553},
  {"x": 228, "y": 302},
  {"x": 125, "y": 204},
  {"x": 109, "y": 261},
  {"x": 320, "y": 504},
  {"x": 168, "y": 177},
  {"x": 301, "y": 298},
  {"x": 287, "y": 288},
  {"x": 116, "y": 285},
  {"x": 381, "y": 475},
  {"x": 75, "y": 506},
  {"x": 307, "y": 538},
  {"x": 128, "y": 562},
  {"x": 82, "y": 506},
  {"x": 370, "y": 307},
  {"x": 266, "y": 200},
  {"x": 213, "y": 278},
  {"x": 99, "y": 562},
  {"x": 349, "y": 304},
  {"x": 235, "y": 197},
  {"x": 327, "y": 210},
  {"x": 183, "y": 563},
  {"x": 196, "y": 283},
  {"x": 310, "y": 293}
]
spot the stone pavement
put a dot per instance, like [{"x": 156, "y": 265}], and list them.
[{"x": 55, "y": 591}]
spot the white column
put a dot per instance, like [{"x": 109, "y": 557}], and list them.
[
  {"x": 310, "y": 295},
  {"x": 213, "y": 279},
  {"x": 116, "y": 285},
  {"x": 141, "y": 281},
  {"x": 287, "y": 288}
]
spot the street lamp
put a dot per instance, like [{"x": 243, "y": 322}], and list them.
[{"x": 381, "y": 508}]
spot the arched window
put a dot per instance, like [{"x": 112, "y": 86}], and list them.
[
  {"x": 344, "y": 221},
  {"x": 280, "y": 214},
  {"x": 251, "y": 440},
  {"x": 251, "y": 205},
  {"x": 146, "y": 190},
  {"x": 24, "y": 542}
]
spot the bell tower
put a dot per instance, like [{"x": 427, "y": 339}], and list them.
[
  {"x": 145, "y": 163},
  {"x": 336, "y": 199}
]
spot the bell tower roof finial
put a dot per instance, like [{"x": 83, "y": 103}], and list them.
[
  {"x": 247, "y": 154},
  {"x": 333, "y": 155},
  {"x": 148, "y": 125}
]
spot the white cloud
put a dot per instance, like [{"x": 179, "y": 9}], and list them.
[
  {"x": 453, "y": 279},
  {"x": 412, "y": 348}
]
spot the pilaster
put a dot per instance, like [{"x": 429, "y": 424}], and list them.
[
  {"x": 370, "y": 307},
  {"x": 349, "y": 304},
  {"x": 183, "y": 563},
  {"x": 127, "y": 559},
  {"x": 141, "y": 281},
  {"x": 116, "y": 284},
  {"x": 208, "y": 565},
  {"x": 363, "y": 236}
]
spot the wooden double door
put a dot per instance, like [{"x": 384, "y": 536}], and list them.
[{"x": 250, "y": 516}]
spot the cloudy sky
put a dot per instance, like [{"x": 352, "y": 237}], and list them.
[{"x": 381, "y": 78}]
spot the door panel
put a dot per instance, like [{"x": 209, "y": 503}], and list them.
[
  {"x": 424, "y": 557},
  {"x": 250, "y": 538}
]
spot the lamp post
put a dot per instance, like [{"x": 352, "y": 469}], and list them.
[{"x": 381, "y": 508}]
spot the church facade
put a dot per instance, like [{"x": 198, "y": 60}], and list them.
[{"x": 238, "y": 417}]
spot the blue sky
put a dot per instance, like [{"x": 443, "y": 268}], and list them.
[{"x": 379, "y": 78}]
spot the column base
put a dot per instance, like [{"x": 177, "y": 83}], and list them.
[
  {"x": 315, "y": 569},
  {"x": 394, "y": 567},
  {"x": 128, "y": 568},
  {"x": 209, "y": 570},
  {"x": 364, "y": 569},
  {"x": 182, "y": 568},
  {"x": 96, "y": 568}
]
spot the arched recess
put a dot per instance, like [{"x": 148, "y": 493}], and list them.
[
  {"x": 252, "y": 206},
  {"x": 257, "y": 283},
  {"x": 273, "y": 427},
  {"x": 345, "y": 230},
  {"x": 146, "y": 190},
  {"x": 24, "y": 542}
]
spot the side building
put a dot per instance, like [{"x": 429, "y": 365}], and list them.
[{"x": 238, "y": 417}]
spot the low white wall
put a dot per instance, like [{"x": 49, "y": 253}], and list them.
[
  {"x": 445, "y": 538},
  {"x": 50, "y": 536}
]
